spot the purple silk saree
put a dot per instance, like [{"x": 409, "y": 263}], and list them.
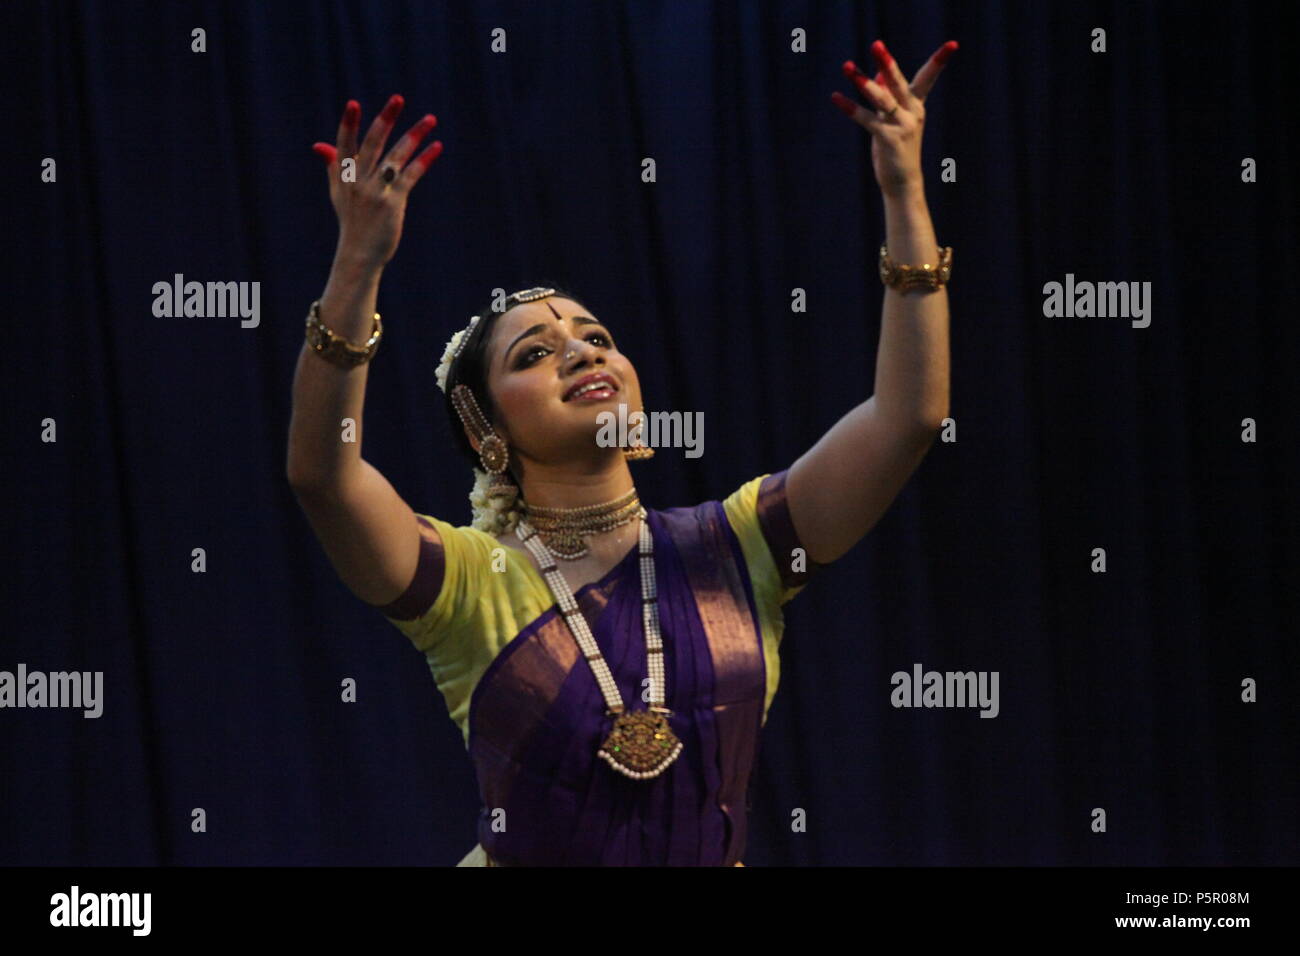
[{"x": 537, "y": 716}]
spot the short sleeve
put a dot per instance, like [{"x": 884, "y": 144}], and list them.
[
  {"x": 759, "y": 514},
  {"x": 469, "y": 597},
  {"x": 448, "y": 576}
]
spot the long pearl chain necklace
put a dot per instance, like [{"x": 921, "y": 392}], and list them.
[{"x": 641, "y": 744}]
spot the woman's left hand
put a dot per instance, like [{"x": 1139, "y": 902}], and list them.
[{"x": 896, "y": 125}]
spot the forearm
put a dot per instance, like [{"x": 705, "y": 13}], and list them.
[
  {"x": 325, "y": 394},
  {"x": 912, "y": 362}
]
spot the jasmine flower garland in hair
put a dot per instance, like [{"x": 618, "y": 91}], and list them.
[
  {"x": 444, "y": 366},
  {"x": 496, "y": 516}
]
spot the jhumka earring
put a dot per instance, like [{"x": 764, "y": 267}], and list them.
[
  {"x": 638, "y": 451},
  {"x": 493, "y": 453}
]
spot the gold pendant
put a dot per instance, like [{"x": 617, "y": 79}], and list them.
[
  {"x": 568, "y": 545},
  {"x": 641, "y": 745}
]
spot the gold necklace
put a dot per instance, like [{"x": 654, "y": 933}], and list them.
[{"x": 564, "y": 530}]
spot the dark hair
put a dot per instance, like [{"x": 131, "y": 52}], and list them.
[{"x": 471, "y": 367}]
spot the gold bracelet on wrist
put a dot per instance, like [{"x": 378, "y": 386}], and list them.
[
  {"x": 904, "y": 277},
  {"x": 337, "y": 349}
]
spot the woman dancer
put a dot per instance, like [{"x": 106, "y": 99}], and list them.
[{"x": 610, "y": 666}]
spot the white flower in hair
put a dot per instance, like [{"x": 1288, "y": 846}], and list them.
[
  {"x": 444, "y": 366},
  {"x": 496, "y": 515}
]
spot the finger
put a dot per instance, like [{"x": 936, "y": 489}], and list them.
[
  {"x": 401, "y": 152},
  {"x": 853, "y": 111},
  {"x": 890, "y": 76},
  {"x": 878, "y": 96},
  {"x": 326, "y": 152},
  {"x": 378, "y": 134},
  {"x": 926, "y": 75},
  {"x": 347, "y": 134},
  {"x": 874, "y": 93},
  {"x": 418, "y": 166}
]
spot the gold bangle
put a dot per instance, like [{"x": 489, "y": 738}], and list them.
[
  {"x": 333, "y": 347},
  {"x": 903, "y": 277}
]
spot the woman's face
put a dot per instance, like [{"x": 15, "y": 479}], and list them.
[{"x": 538, "y": 353}]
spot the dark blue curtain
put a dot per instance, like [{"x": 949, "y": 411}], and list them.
[{"x": 1119, "y": 690}]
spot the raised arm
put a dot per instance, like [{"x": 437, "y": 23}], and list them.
[
  {"x": 840, "y": 487},
  {"x": 368, "y": 532}
]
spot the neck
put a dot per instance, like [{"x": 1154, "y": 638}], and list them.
[{"x": 575, "y": 484}]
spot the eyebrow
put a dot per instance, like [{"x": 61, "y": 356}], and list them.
[{"x": 541, "y": 327}]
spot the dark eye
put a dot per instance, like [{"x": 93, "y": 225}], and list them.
[
  {"x": 600, "y": 335},
  {"x": 528, "y": 357}
]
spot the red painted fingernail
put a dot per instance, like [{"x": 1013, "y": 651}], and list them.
[
  {"x": 945, "y": 51},
  {"x": 880, "y": 78},
  {"x": 851, "y": 70},
  {"x": 846, "y": 105},
  {"x": 430, "y": 154},
  {"x": 882, "y": 54},
  {"x": 325, "y": 151},
  {"x": 393, "y": 107},
  {"x": 352, "y": 113}
]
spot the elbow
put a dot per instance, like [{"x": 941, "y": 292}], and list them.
[
  {"x": 923, "y": 421},
  {"x": 315, "y": 486},
  {"x": 929, "y": 424},
  {"x": 294, "y": 474},
  {"x": 919, "y": 437},
  {"x": 936, "y": 414},
  {"x": 301, "y": 481},
  {"x": 302, "y": 473}
]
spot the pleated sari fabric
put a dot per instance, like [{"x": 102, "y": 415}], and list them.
[{"x": 532, "y": 714}]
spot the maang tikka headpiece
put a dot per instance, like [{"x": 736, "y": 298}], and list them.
[{"x": 495, "y": 495}]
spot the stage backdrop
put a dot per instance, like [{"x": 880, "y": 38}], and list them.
[{"x": 1159, "y": 150}]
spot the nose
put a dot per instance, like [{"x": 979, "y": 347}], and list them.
[{"x": 578, "y": 352}]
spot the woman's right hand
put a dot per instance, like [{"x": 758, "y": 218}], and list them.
[{"x": 370, "y": 211}]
